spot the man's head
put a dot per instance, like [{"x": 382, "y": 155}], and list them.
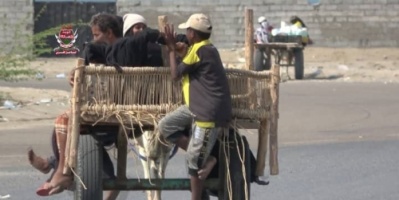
[
  {"x": 262, "y": 19},
  {"x": 106, "y": 28},
  {"x": 263, "y": 22},
  {"x": 133, "y": 23},
  {"x": 198, "y": 28},
  {"x": 294, "y": 19}
]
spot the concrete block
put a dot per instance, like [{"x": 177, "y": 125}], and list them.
[
  {"x": 231, "y": 32},
  {"x": 328, "y": 7},
  {"x": 390, "y": 13},
  {"x": 275, "y": 7},
  {"x": 374, "y": 18},
  {"x": 341, "y": 19},
  {"x": 381, "y": 1},
  {"x": 354, "y": 19},
  {"x": 302, "y": 2},
  {"x": 27, "y": 9},
  {"x": 334, "y": 2},
  {"x": 370, "y": 6},
  {"x": 394, "y": 20},
  {"x": 226, "y": 8},
  {"x": 297, "y": 8},
  {"x": 370, "y": 12},
  {"x": 270, "y": 2},
  {"x": 392, "y": 1},
  {"x": 353, "y": 2},
  {"x": 289, "y": 2},
  {"x": 331, "y": 13},
  {"x": 19, "y": 4}
]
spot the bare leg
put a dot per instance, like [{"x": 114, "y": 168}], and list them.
[
  {"x": 207, "y": 168},
  {"x": 59, "y": 180},
  {"x": 183, "y": 142},
  {"x": 38, "y": 162},
  {"x": 196, "y": 187}
]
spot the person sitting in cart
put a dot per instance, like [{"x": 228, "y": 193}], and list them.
[
  {"x": 262, "y": 34},
  {"x": 207, "y": 99},
  {"x": 104, "y": 36},
  {"x": 132, "y": 45},
  {"x": 298, "y": 22},
  {"x": 106, "y": 29}
]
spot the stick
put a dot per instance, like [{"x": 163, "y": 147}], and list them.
[
  {"x": 75, "y": 116},
  {"x": 249, "y": 39},
  {"x": 66, "y": 169},
  {"x": 122, "y": 154},
  {"x": 274, "y": 121},
  {"x": 262, "y": 147},
  {"x": 162, "y": 21}
]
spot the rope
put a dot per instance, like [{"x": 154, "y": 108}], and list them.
[
  {"x": 143, "y": 95},
  {"x": 144, "y": 158}
]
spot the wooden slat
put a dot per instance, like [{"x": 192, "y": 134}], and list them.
[
  {"x": 122, "y": 154},
  {"x": 274, "y": 120},
  {"x": 249, "y": 39},
  {"x": 75, "y": 116},
  {"x": 262, "y": 147},
  {"x": 162, "y": 21}
]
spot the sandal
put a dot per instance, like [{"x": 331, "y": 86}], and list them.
[{"x": 43, "y": 190}]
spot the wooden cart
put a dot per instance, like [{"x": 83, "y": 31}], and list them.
[
  {"x": 284, "y": 50},
  {"x": 287, "y": 51},
  {"x": 138, "y": 98}
]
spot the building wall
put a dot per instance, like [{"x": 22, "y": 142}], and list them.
[
  {"x": 16, "y": 21},
  {"x": 336, "y": 23}
]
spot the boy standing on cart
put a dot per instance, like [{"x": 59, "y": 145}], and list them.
[{"x": 207, "y": 99}]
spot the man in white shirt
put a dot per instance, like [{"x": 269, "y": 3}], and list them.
[{"x": 262, "y": 34}]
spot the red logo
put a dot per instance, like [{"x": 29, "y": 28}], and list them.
[{"x": 66, "y": 38}]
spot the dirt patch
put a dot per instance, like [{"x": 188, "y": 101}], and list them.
[
  {"x": 338, "y": 64},
  {"x": 342, "y": 64}
]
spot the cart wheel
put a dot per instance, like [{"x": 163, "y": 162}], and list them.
[
  {"x": 261, "y": 61},
  {"x": 299, "y": 63},
  {"x": 89, "y": 169},
  {"x": 241, "y": 186}
]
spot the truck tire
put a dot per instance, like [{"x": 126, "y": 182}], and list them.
[
  {"x": 89, "y": 169},
  {"x": 299, "y": 64}
]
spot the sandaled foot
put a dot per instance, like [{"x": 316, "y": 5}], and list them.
[
  {"x": 44, "y": 189},
  {"x": 38, "y": 162},
  {"x": 47, "y": 190},
  {"x": 204, "y": 172},
  {"x": 59, "y": 183}
]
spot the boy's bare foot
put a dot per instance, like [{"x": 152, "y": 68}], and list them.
[
  {"x": 209, "y": 164},
  {"x": 59, "y": 182},
  {"x": 38, "y": 162}
]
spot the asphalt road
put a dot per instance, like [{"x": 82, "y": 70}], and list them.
[{"x": 337, "y": 141}]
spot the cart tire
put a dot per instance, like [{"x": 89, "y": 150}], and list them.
[
  {"x": 261, "y": 62},
  {"x": 241, "y": 186},
  {"x": 299, "y": 63},
  {"x": 89, "y": 169}
]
